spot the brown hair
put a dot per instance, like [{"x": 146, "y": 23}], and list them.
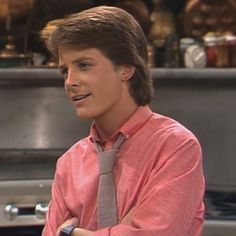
[{"x": 117, "y": 35}]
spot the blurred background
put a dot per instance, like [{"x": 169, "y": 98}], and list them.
[
  {"x": 208, "y": 26},
  {"x": 192, "y": 58}
]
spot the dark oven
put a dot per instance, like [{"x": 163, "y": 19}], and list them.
[
  {"x": 25, "y": 184},
  {"x": 204, "y": 101},
  {"x": 37, "y": 125}
]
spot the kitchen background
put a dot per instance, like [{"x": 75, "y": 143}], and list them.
[
  {"x": 204, "y": 28},
  {"x": 192, "y": 58}
]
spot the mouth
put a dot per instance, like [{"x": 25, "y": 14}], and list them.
[{"x": 80, "y": 97}]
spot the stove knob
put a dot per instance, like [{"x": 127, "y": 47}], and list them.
[
  {"x": 41, "y": 210},
  {"x": 11, "y": 211}
]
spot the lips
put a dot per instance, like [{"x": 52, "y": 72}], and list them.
[{"x": 80, "y": 97}]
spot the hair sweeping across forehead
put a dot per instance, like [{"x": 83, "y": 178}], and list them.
[{"x": 117, "y": 35}]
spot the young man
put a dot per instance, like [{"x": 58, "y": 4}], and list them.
[{"x": 158, "y": 169}]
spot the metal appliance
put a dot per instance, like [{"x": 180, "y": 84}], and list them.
[
  {"x": 38, "y": 123},
  {"x": 204, "y": 101}
]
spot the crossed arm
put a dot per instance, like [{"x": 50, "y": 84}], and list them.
[
  {"x": 171, "y": 207},
  {"x": 83, "y": 232}
]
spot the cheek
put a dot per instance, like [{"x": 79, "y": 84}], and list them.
[
  {"x": 66, "y": 88},
  {"x": 113, "y": 82},
  {"x": 110, "y": 89}
]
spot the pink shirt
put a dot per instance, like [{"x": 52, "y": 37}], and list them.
[{"x": 158, "y": 174}]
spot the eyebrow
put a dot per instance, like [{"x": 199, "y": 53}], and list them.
[{"x": 76, "y": 61}]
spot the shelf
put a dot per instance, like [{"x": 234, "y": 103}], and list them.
[
  {"x": 185, "y": 73},
  {"x": 158, "y": 73}
]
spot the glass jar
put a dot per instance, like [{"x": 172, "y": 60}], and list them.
[
  {"x": 210, "y": 45},
  {"x": 222, "y": 52},
  {"x": 231, "y": 39},
  {"x": 195, "y": 56},
  {"x": 184, "y": 44}
]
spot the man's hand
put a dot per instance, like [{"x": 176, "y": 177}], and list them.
[
  {"x": 77, "y": 231},
  {"x": 127, "y": 219},
  {"x": 82, "y": 232},
  {"x": 72, "y": 221}
]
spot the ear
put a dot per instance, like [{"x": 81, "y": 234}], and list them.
[{"x": 127, "y": 71}]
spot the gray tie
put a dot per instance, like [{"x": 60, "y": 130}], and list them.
[{"x": 106, "y": 197}]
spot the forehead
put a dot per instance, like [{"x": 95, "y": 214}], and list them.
[
  {"x": 70, "y": 52},
  {"x": 71, "y": 55}
]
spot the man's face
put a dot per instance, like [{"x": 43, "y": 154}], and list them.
[{"x": 92, "y": 82}]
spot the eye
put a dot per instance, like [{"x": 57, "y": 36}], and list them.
[
  {"x": 63, "y": 71},
  {"x": 84, "y": 65}
]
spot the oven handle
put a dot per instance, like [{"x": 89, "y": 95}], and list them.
[
  {"x": 41, "y": 210},
  {"x": 12, "y": 211}
]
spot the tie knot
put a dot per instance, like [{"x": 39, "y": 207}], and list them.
[
  {"x": 107, "y": 158},
  {"x": 106, "y": 161}
]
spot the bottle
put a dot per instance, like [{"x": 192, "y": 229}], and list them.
[
  {"x": 162, "y": 25},
  {"x": 172, "y": 52}
]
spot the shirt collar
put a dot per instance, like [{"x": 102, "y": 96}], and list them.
[{"x": 131, "y": 126}]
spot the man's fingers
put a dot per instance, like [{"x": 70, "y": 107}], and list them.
[{"x": 73, "y": 221}]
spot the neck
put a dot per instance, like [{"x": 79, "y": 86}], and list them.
[{"x": 112, "y": 122}]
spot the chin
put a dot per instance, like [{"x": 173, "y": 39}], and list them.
[{"x": 85, "y": 115}]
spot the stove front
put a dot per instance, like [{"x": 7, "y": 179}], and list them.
[
  {"x": 220, "y": 216},
  {"x": 23, "y": 206}
]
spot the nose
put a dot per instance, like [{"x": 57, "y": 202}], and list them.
[
  {"x": 71, "y": 79},
  {"x": 71, "y": 82}
]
